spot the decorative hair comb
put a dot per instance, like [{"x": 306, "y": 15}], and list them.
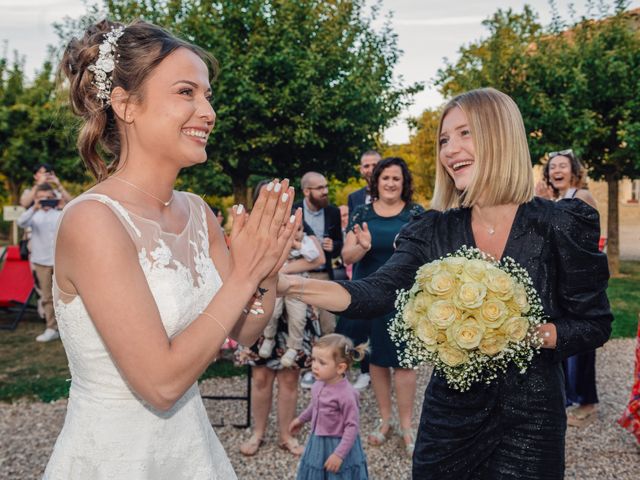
[{"x": 103, "y": 67}]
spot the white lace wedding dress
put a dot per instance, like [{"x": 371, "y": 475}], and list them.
[{"x": 109, "y": 432}]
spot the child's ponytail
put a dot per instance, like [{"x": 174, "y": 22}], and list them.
[{"x": 343, "y": 349}]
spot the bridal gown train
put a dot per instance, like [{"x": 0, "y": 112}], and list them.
[{"x": 109, "y": 432}]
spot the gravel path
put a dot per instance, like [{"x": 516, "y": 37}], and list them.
[{"x": 599, "y": 451}]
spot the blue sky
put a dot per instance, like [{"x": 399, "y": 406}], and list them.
[{"x": 428, "y": 31}]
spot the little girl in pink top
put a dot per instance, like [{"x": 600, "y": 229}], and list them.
[{"x": 334, "y": 450}]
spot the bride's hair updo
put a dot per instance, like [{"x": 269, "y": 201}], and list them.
[{"x": 140, "y": 49}]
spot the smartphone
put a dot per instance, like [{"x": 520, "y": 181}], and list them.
[{"x": 49, "y": 202}]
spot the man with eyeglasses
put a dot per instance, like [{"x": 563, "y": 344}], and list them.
[{"x": 324, "y": 220}]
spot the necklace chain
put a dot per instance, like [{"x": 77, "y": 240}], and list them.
[
  {"x": 166, "y": 204},
  {"x": 490, "y": 230}
]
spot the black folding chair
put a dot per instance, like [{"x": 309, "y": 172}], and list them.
[{"x": 244, "y": 398}]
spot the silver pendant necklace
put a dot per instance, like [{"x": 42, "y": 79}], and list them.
[
  {"x": 490, "y": 230},
  {"x": 166, "y": 204}
]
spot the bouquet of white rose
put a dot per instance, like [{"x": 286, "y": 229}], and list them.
[{"x": 470, "y": 316}]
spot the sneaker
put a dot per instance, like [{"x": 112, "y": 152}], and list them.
[
  {"x": 266, "y": 349},
  {"x": 307, "y": 380},
  {"x": 362, "y": 382},
  {"x": 48, "y": 335},
  {"x": 289, "y": 358}
]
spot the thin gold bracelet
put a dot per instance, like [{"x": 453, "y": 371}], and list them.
[
  {"x": 226, "y": 332},
  {"x": 299, "y": 296}
]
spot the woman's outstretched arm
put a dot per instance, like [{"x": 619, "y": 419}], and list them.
[{"x": 375, "y": 295}]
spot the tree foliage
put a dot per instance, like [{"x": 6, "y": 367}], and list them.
[
  {"x": 34, "y": 128},
  {"x": 303, "y": 84},
  {"x": 576, "y": 85},
  {"x": 420, "y": 154}
]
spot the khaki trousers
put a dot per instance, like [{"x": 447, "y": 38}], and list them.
[
  {"x": 44, "y": 274},
  {"x": 296, "y": 321},
  {"x": 327, "y": 319}
]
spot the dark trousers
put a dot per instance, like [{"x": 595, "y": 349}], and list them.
[
  {"x": 358, "y": 331},
  {"x": 580, "y": 378}
]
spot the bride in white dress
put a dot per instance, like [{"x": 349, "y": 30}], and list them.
[{"x": 145, "y": 289}]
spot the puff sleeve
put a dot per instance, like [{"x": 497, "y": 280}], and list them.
[
  {"x": 375, "y": 295},
  {"x": 585, "y": 316}
]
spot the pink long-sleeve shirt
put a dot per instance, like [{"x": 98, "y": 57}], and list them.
[{"x": 333, "y": 412}]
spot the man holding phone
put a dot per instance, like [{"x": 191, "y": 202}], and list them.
[
  {"x": 43, "y": 173},
  {"x": 42, "y": 217}
]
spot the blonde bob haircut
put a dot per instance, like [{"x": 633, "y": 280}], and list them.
[{"x": 503, "y": 172}]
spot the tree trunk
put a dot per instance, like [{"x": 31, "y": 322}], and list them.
[
  {"x": 240, "y": 190},
  {"x": 613, "y": 237},
  {"x": 14, "y": 191}
]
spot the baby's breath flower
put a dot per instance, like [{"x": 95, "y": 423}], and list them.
[{"x": 469, "y": 316}]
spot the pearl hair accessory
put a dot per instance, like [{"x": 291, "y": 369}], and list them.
[{"x": 105, "y": 64}]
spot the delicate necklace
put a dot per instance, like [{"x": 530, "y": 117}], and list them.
[
  {"x": 490, "y": 230},
  {"x": 166, "y": 204}
]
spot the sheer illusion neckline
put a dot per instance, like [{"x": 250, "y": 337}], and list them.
[
  {"x": 148, "y": 220},
  {"x": 513, "y": 232}
]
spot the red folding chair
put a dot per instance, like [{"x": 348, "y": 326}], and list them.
[
  {"x": 16, "y": 285},
  {"x": 602, "y": 244}
]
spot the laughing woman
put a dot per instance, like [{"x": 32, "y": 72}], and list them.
[
  {"x": 513, "y": 428},
  {"x": 145, "y": 289},
  {"x": 567, "y": 178}
]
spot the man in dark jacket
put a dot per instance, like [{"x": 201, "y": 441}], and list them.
[
  {"x": 368, "y": 162},
  {"x": 324, "y": 220}
]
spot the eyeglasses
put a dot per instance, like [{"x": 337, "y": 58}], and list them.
[
  {"x": 568, "y": 151},
  {"x": 319, "y": 187}
]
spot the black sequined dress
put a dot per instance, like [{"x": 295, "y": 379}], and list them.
[{"x": 513, "y": 428}]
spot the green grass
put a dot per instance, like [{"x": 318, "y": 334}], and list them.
[
  {"x": 624, "y": 295},
  {"x": 31, "y": 369},
  {"x": 37, "y": 371}
]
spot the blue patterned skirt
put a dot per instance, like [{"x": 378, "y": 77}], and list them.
[{"x": 318, "y": 449}]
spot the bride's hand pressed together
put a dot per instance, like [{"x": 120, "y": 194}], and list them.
[{"x": 260, "y": 241}]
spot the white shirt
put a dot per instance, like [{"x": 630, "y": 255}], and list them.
[{"x": 43, "y": 232}]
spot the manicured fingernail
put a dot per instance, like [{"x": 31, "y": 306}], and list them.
[
  {"x": 260, "y": 311},
  {"x": 240, "y": 208},
  {"x": 285, "y": 197},
  {"x": 255, "y": 312},
  {"x": 270, "y": 187},
  {"x": 292, "y": 218},
  {"x": 278, "y": 187}
]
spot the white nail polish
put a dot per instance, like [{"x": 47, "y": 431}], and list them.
[
  {"x": 277, "y": 187},
  {"x": 255, "y": 312},
  {"x": 240, "y": 209},
  {"x": 292, "y": 218},
  {"x": 270, "y": 186},
  {"x": 260, "y": 311},
  {"x": 285, "y": 197}
]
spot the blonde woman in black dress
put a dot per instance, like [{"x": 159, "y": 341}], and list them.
[{"x": 513, "y": 428}]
